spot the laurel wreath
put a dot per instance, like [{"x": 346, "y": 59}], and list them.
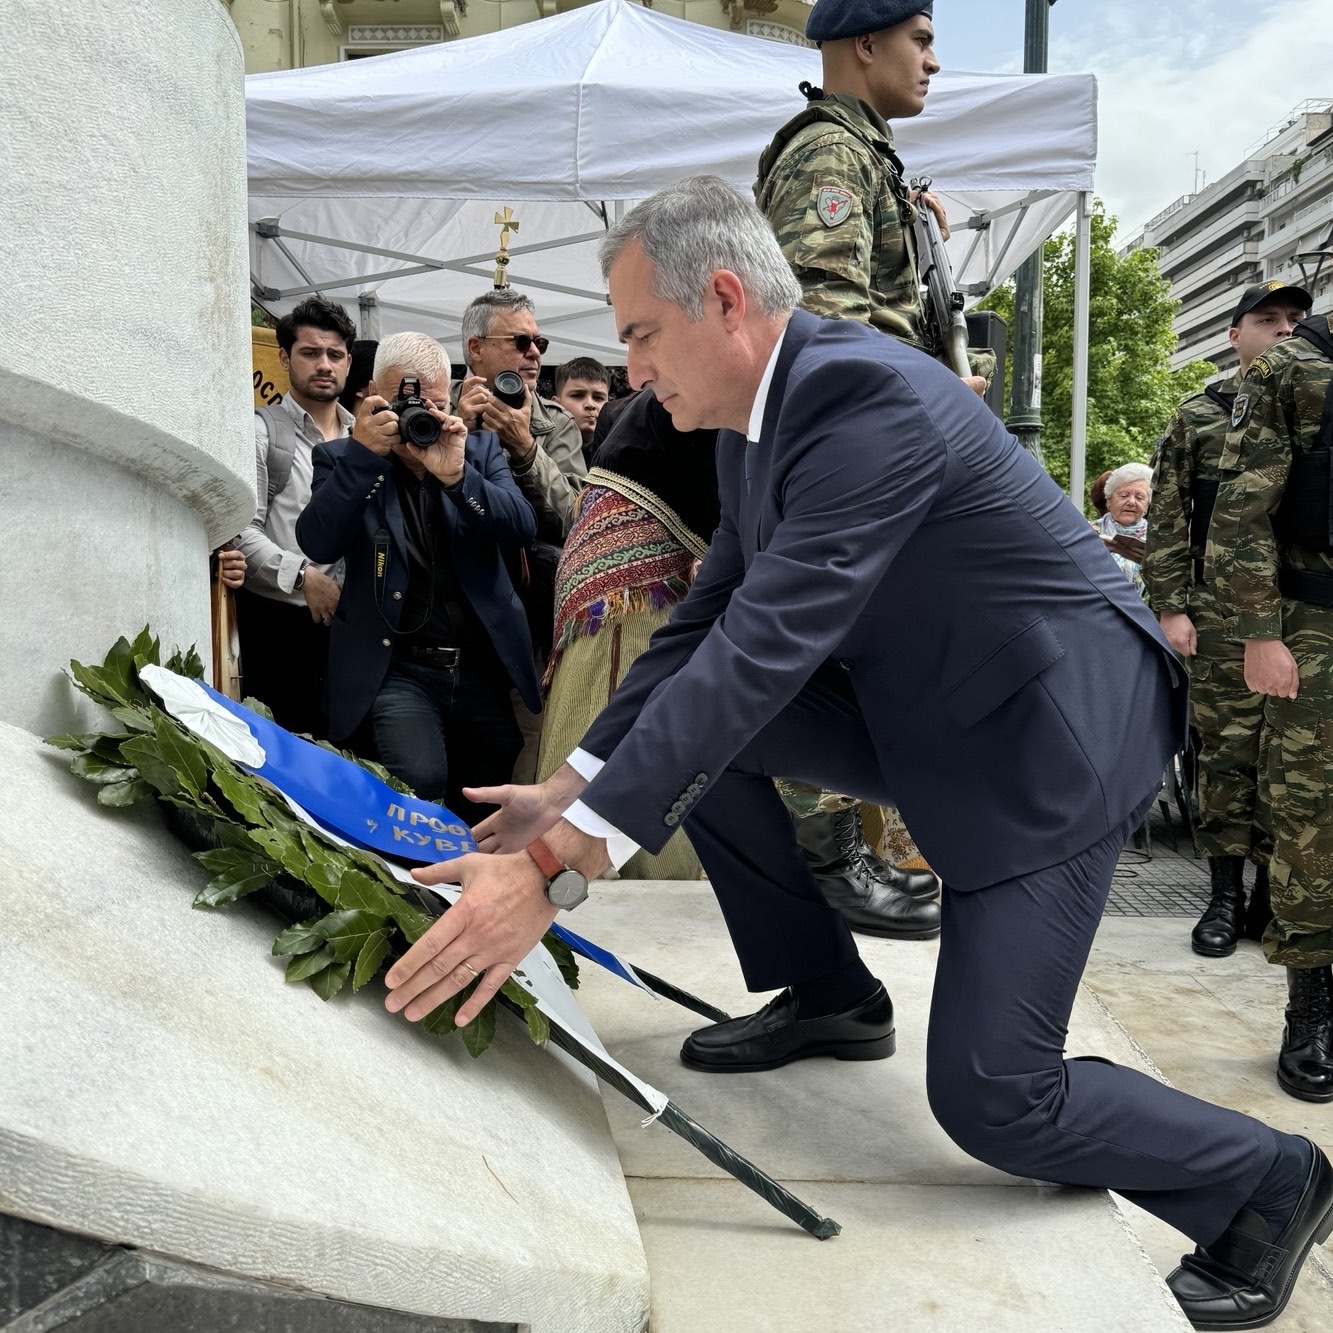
[{"x": 349, "y": 916}]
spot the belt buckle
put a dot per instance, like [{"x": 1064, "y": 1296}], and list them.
[{"x": 444, "y": 658}]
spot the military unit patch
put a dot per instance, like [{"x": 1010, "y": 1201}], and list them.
[
  {"x": 1260, "y": 367},
  {"x": 1240, "y": 411},
  {"x": 833, "y": 205}
]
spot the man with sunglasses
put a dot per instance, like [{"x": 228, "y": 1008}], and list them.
[{"x": 541, "y": 440}]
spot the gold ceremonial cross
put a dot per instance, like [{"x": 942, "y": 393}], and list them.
[{"x": 506, "y": 223}]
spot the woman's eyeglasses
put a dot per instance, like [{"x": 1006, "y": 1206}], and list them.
[{"x": 521, "y": 341}]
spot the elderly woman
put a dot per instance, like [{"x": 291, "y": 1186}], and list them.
[{"x": 1124, "y": 526}]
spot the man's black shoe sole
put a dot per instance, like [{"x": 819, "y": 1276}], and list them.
[
  {"x": 893, "y": 932},
  {"x": 877, "y": 1048},
  {"x": 1209, "y": 951}
]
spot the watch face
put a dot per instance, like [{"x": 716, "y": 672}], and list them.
[{"x": 567, "y": 889}]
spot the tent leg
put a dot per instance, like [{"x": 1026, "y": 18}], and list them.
[{"x": 1078, "y": 433}]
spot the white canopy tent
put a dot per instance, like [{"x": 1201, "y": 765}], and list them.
[{"x": 375, "y": 183}]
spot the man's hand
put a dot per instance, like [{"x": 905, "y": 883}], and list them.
[
  {"x": 321, "y": 595},
  {"x": 1179, "y": 631},
  {"x": 512, "y": 424},
  {"x": 378, "y": 431},
  {"x": 936, "y": 206},
  {"x": 525, "y": 812},
  {"x": 444, "y": 459},
  {"x": 1128, "y": 548},
  {"x": 501, "y": 914},
  {"x": 977, "y": 383},
  {"x": 473, "y": 395},
  {"x": 1270, "y": 668},
  {"x": 231, "y": 567}
]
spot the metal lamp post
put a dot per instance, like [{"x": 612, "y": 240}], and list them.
[{"x": 1025, "y": 396}]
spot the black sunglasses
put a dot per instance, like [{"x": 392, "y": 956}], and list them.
[{"x": 522, "y": 341}]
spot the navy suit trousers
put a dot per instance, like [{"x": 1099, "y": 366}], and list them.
[{"x": 1010, "y": 959}]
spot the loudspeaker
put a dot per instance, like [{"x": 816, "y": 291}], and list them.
[{"x": 986, "y": 329}]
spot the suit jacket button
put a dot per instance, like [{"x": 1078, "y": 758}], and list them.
[
  {"x": 846, "y": 663},
  {"x": 386, "y": 643},
  {"x": 398, "y": 597},
  {"x": 671, "y": 819},
  {"x": 677, "y": 807},
  {"x": 380, "y": 477},
  {"x": 701, "y": 777}
]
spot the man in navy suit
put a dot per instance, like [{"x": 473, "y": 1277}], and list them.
[
  {"x": 863, "y": 488},
  {"x": 429, "y": 633}
]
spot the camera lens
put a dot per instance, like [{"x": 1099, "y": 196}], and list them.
[
  {"x": 418, "y": 427},
  {"x": 509, "y": 388}
]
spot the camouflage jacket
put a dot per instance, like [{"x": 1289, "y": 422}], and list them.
[
  {"x": 832, "y": 188},
  {"x": 1279, "y": 404},
  {"x": 1190, "y": 450}
]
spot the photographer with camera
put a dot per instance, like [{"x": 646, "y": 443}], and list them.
[
  {"x": 429, "y": 634},
  {"x": 541, "y": 440}
]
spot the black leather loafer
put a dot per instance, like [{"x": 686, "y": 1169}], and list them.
[
  {"x": 1245, "y": 1278},
  {"x": 776, "y": 1035}
]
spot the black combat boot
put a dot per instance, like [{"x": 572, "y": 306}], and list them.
[
  {"x": 1305, "y": 1062},
  {"x": 836, "y": 852},
  {"x": 1258, "y": 911},
  {"x": 1217, "y": 929}
]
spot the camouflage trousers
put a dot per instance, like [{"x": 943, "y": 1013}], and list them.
[
  {"x": 1298, "y": 777},
  {"x": 1228, "y": 718},
  {"x": 802, "y": 800}
]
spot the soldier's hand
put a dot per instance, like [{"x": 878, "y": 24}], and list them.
[
  {"x": 1270, "y": 668},
  {"x": 1179, "y": 631}
]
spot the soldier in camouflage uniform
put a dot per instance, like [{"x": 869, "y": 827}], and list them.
[
  {"x": 1270, "y": 564},
  {"x": 1227, "y": 717},
  {"x": 833, "y": 189}
]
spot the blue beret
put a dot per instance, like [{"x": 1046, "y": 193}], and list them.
[{"x": 831, "y": 20}]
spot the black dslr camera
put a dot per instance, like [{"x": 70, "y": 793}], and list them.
[
  {"x": 416, "y": 423},
  {"x": 509, "y": 388}
]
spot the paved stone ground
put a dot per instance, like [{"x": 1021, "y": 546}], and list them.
[{"x": 1158, "y": 875}]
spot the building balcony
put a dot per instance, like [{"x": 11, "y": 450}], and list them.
[{"x": 1195, "y": 248}]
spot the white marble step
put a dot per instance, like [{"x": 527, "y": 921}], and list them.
[{"x": 931, "y": 1240}]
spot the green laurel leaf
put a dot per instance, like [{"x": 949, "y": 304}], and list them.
[
  {"x": 479, "y": 1033},
  {"x": 146, "y": 755},
  {"x": 137, "y": 719},
  {"x": 257, "y": 706},
  {"x": 243, "y": 793},
  {"x": 94, "y": 768},
  {"x": 181, "y": 753},
  {"x": 347, "y": 932},
  {"x": 123, "y": 793},
  {"x": 145, "y": 650},
  {"x": 307, "y": 964},
  {"x": 237, "y": 871},
  {"x": 330, "y": 981},
  {"x": 284, "y": 848},
  {"x": 370, "y": 958},
  {"x": 539, "y": 1026},
  {"x": 303, "y": 937},
  {"x": 67, "y": 742},
  {"x": 564, "y": 959}
]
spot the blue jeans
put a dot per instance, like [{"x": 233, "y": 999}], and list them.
[{"x": 443, "y": 729}]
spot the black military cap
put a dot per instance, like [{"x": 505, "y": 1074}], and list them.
[
  {"x": 831, "y": 20},
  {"x": 1261, "y": 291}
]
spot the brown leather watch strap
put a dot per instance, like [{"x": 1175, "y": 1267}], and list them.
[{"x": 547, "y": 861}]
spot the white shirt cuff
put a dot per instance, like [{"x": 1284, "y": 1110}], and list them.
[
  {"x": 619, "y": 846},
  {"x": 586, "y": 765}
]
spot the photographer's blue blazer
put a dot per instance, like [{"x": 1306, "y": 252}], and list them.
[
  {"x": 1019, "y": 700},
  {"x": 354, "y": 496}
]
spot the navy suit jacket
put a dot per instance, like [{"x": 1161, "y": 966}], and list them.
[
  {"x": 354, "y": 497},
  {"x": 1018, "y": 696}
]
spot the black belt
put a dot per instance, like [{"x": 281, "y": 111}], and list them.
[
  {"x": 443, "y": 659},
  {"x": 1305, "y": 585}
]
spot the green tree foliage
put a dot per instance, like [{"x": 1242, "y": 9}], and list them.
[{"x": 1131, "y": 387}]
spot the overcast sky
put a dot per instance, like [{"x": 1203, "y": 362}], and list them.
[{"x": 1174, "y": 76}]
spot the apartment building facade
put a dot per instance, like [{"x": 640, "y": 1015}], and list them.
[{"x": 1268, "y": 217}]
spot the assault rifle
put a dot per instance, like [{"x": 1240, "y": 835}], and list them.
[{"x": 945, "y": 322}]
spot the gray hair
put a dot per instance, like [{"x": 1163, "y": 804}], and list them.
[
  {"x": 414, "y": 353},
  {"x": 693, "y": 228},
  {"x": 1124, "y": 475},
  {"x": 479, "y": 317}
]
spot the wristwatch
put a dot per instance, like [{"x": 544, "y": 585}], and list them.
[
  {"x": 565, "y": 886},
  {"x": 299, "y": 581}
]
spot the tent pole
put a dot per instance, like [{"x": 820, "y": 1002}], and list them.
[{"x": 1078, "y": 432}]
